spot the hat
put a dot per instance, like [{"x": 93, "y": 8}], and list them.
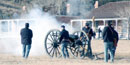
[
  {"x": 62, "y": 26},
  {"x": 87, "y": 24}
]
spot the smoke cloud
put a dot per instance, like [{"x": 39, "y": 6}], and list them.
[{"x": 40, "y": 24}]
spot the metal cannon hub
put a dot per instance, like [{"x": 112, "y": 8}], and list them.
[{"x": 55, "y": 44}]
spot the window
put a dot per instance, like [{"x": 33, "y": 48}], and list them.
[{"x": 4, "y": 26}]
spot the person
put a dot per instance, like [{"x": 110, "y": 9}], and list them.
[
  {"x": 64, "y": 40},
  {"x": 89, "y": 33},
  {"x": 99, "y": 32},
  {"x": 116, "y": 37},
  {"x": 26, "y": 39},
  {"x": 108, "y": 38},
  {"x": 94, "y": 34}
]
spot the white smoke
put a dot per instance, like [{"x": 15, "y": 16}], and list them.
[{"x": 42, "y": 22}]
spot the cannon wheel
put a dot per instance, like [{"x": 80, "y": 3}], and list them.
[
  {"x": 79, "y": 51},
  {"x": 52, "y": 46}
]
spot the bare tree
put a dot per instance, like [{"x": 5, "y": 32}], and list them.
[{"x": 53, "y": 6}]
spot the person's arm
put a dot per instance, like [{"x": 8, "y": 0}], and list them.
[
  {"x": 68, "y": 34},
  {"x": 104, "y": 31},
  {"x": 31, "y": 33},
  {"x": 21, "y": 32},
  {"x": 81, "y": 34},
  {"x": 117, "y": 37},
  {"x": 116, "y": 34},
  {"x": 91, "y": 32},
  {"x": 61, "y": 36}
]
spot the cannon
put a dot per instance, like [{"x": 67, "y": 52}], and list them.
[{"x": 77, "y": 46}]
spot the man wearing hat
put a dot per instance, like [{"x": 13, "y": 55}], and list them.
[
  {"x": 64, "y": 40},
  {"x": 89, "y": 33},
  {"x": 26, "y": 39},
  {"x": 108, "y": 37}
]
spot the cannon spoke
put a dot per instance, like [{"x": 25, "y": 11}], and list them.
[
  {"x": 77, "y": 54},
  {"x": 53, "y": 52},
  {"x": 50, "y": 39},
  {"x": 79, "y": 34},
  {"x": 50, "y": 47},
  {"x": 74, "y": 50},
  {"x": 56, "y": 52},
  {"x": 55, "y": 35},
  {"x": 49, "y": 43}
]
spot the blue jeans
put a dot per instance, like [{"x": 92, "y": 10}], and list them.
[
  {"x": 108, "y": 46},
  {"x": 98, "y": 35},
  {"x": 26, "y": 50},
  {"x": 89, "y": 49},
  {"x": 65, "y": 53},
  {"x": 114, "y": 50}
]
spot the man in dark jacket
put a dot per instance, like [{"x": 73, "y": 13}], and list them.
[
  {"x": 108, "y": 37},
  {"x": 26, "y": 39},
  {"x": 64, "y": 40},
  {"x": 116, "y": 37},
  {"x": 89, "y": 33}
]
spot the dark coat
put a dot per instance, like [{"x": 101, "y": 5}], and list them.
[
  {"x": 88, "y": 31},
  {"x": 64, "y": 34},
  {"x": 26, "y": 36},
  {"x": 108, "y": 34},
  {"x": 99, "y": 30}
]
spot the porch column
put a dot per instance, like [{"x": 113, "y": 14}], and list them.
[
  {"x": 0, "y": 26},
  {"x": 104, "y": 22},
  {"x": 71, "y": 22},
  {"x": 93, "y": 23},
  {"x": 93, "y": 26},
  {"x": 116, "y": 24},
  {"x": 8, "y": 23},
  {"x": 81, "y": 24},
  {"x": 128, "y": 29}
]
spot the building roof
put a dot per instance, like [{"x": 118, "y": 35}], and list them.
[
  {"x": 65, "y": 19},
  {"x": 110, "y": 10}
]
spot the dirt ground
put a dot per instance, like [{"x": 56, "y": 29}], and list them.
[{"x": 122, "y": 57}]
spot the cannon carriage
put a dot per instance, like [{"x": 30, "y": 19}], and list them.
[{"x": 77, "y": 46}]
